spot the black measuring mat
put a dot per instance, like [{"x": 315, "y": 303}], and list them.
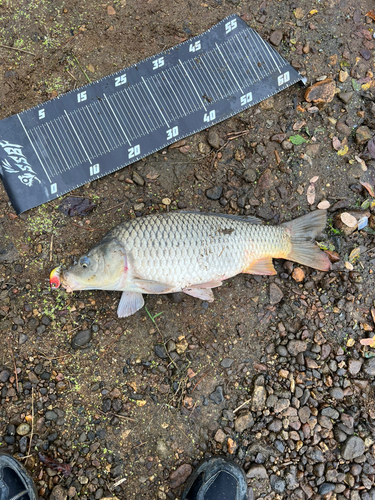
[{"x": 97, "y": 129}]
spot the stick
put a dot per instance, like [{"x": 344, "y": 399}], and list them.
[
  {"x": 14, "y": 362},
  {"x": 243, "y": 404},
  {"x": 74, "y": 78},
  {"x": 32, "y": 421},
  {"x": 199, "y": 381},
  {"x": 50, "y": 249},
  {"x": 14, "y": 48},
  {"x": 80, "y": 67}
]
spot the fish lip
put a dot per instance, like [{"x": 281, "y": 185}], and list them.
[{"x": 54, "y": 278}]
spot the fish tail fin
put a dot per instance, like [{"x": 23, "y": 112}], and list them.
[{"x": 302, "y": 231}]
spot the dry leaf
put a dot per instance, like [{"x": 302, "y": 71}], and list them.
[
  {"x": 332, "y": 255},
  {"x": 373, "y": 315},
  {"x": 371, "y": 13},
  {"x": 349, "y": 266},
  {"x": 310, "y": 194},
  {"x": 354, "y": 255},
  {"x": 336, "y": 143},
  {"x": 298, "y": 125},
  {"x": 110, "y": 10},
  {"x": 324, "y": 204},
  {"x": 348, "y": 220},
  {"x": 91, "y": 68},
  {"x": 361, "y": 162},
  {"x": 369, "y": 342},
  {"x": 12, "y": 216},
  {"x": 141, "y": 402},
  {"x": 152, "y": 177},
  {"x": 299, "y": 13},
  {"x": 369, "y": 188},
  {"x": 314, "y": 179}
]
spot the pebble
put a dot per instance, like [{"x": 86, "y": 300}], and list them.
[
  {"x": 213, "y": 139},
  {"x": 217, "y": 396},
  {"x": 23, "y": 429},
  {"x": 346, "y": 97},
  {"x": 257, "y": 472},
  {"x": 249, "y": 175},
  {"x": 81, "y": 339},
  {"x": 51, "y": 415},
  {"x": 336, "y": 393},
  {"x": 138, "y": 179},
  {"x": 227, "y": 362},
  {"x": 4, "y": 376},
  {"x": 369, "y": 367},
  {"x": 214, "y": 193},
  {"x": 326, "y": 488},
  {"x": 354, "y": 366},
  {"x": 286, "y": 145},
  {"x": 243, "y": 422},
  {"x": 160, "y": 351},
  {"x": 353, "y": 448},
  {"x": 343, "y": 129},
  {"x": 58, "y": 493},
  {"x": 22, "y": 338},
  {"x": 323, "y": 91},
  {"x": 281, "y": 405},
  {"x": 277, "y": 484},
  {"x": 362, "y": 135},
  {"x": 276, "y": 294},
  {"x": 296, "y": 346},
  {"x": 220, "y": 436},
  {"x": 180, "y": 475},
  {"x": 259, "y": 394},
  {"x": 276, "y": 37}
]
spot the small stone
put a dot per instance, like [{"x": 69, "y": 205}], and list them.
[
  {"x": 323, "y": 91},
  {"x": 23, "y": 429},
  {"x": 287, "y": 145},
  {"x": 4, "y": 376},
  {"x": 315, "y": 454},
  {"x": 275, "y": 294},
  {"x": 231, "y": 445},
  {"x": 281, "y": 405},
  {"x": 354, "y": 366},
  {"x": 160, "y": 351},
  {"x": 138, "y": 179},
  {"x": 296, "y": 346},
  {"x": 220, "y": 436},
  {"x": 214, "y": 193},
  {"x": 343, "y": 75},
  {"x": 304, "y": 414},
  {"x": 275, "y": 426},
  {"x": 51, "y": 415},
  {"x": 58, "y": 493},
  {"x": 366, "y": 54},
  {"x": 326, "y": 488},
  {"x": 277, "y": 484},
  {"x": 278, "y": 138},
  {"x": 276, "y": 37},
  {"x": 346, "y": 97},
  {"x": 343, "y": 129},
  {"x": 249, "y": 175},
  {"x": 213, "y": 139},
  {"x": 362, "y": 135},
  {"x": 336, "y": 393},
  {"x": 81, "y": 339},
  {"x": 352, "y": 448},
  {"x": 22, "y": 338},
  {"x": 331, "y": 413},
  {"x": 217, "y": 396},
  {"x": 268, "y": 104},
  {"x": 33, "y": 378},
  {"x": 259, "y": 397},
  {"x": 298, "y": 274},
  {"x": 180, "y": 475},
  {"x": 243, "y": 422},
  {"x": 257, "y": 472},
  {"x": 227, "y": 362},
  {"x": 369, "y": 367}
]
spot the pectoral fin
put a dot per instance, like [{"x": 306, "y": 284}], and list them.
[
  {"x": 149, "y": 286},
  {"x": 130, "y": 303},
  {"x": 261, "y": 266}
]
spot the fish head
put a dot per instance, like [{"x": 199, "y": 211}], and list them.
[{"x": 104, "y": 267}]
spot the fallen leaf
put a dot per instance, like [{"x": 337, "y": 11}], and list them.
[
  {"x": 298, "y": 125},
  {"x": 314, "y": 179},
  {"x": 297, "y": 139},
  {"x": 312, "y": 12},
  {"x": 141, "y": 402},
  {"x": 336, "y": 143},
  {"x": 361, "y": 162},
  {"x": 152, "y": 177},
  {"x": 12, "y": 216},
  {"x": 356, "y": 86},
  {"x": 332, "y": 255},
  {"x": 110, "y": 10},
  {"x": 73, "y": 206},
  {"x": 348, "y": 220},
  {"x": 91, "y": 68},
  {"x": 310, "y": 194},
  {"x": 324, "y": 204},
  {"x": 354, "y": 255},
  {"x": 349, "y": 266},
  {"x": 343, "y": 151},
  {"x": 371, "y": 13},
  {"x": 369, "y": 188},
  {"x": 369, "y": 342}
]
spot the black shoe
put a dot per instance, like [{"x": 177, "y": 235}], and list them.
[
  {"x": 15, "y": 483},
  {"x": 216, "y": 479}
]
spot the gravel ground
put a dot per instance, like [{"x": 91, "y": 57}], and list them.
[{"x": 273, "y": 374}]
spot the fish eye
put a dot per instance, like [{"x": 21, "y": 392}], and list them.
[{"x": 84, "y": 261}]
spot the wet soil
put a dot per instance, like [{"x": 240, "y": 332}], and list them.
[{"x": 144, "y": 395}]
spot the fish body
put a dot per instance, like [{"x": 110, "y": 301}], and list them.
[{"x": 191, "y": 253}]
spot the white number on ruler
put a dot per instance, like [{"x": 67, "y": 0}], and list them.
[
  {"x": 134, "y": 151},
  {"x": 208, "y": 117},
  {"x": 172, "y": 132},
  {"x": 94, "y": 169},
  {"x": 82, "y": 96},
  {"x": 53, "y": 188},
  {"x": 245, "y": 99},
  {"x": 193, "y": 47},
  {"x": 120, "y": 80},
  {"x": 41, "y": 114},
  {"x": 283, "y": 78},
  {"x": 232, "y": 25},
  {"x": 158, "y": 63}
]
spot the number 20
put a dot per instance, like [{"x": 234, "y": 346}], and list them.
[{"x": 134, "y": 151}]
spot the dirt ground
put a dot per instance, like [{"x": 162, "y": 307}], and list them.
[{"x": 147, "y": 394}]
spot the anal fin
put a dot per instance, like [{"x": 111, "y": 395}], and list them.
[
  {"x": 261, "y": 266},
  {"x": 200, "y": 293},
  {"x": 130, "y": 303}
]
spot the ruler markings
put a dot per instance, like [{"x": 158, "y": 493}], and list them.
[
  {"x": 248, "y": 56},
  {"x": 102, "y": 126},
  {"x": 268, "y": 51},
  {"x": 66, "y": 114},
  {"x": 229, "y": 68},
  {"x": 162, "y": 103},
  {"x": 32, "y": 145},
  {"x": 98, "y": 133},
  {"x": 232, "y": 48},
  {"x": 79, "y": 126},
  {"x": 41, "y": 142},
  {"x": 143, "y": 98},
  {"x": 153, "y": 98},
  {"x": 172, "y": 104},
  {"x": 185, "y": 91},
  {"x": 56, "y": 134},
  {"x": 262, "y": 53},
  {"x": 111, "y": 125},
  {"x": 191, "y": 81},
  {"x": 216, "y": 73},
  {"x": 208, "y": 81},
  {"x": 177, "y": 100},
  {"x": 116, "y": 123},
  {"x": 60, "y": 154},
  {"x": 209, "y": 76},
  {"x": 123, "y": 119},
  {"x": 130, "y": 101},
  {"x": 257, "y": 55},
  {"x": 89, "y": 130},
  {"x": 205, "y": 87},
  {"x": 59, "y": 123},
  {"x": 222, "y": 73},
  {"x": 191, "y": 67}
]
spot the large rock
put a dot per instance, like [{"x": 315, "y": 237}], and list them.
[
  {"x": 243, "y": 422},
  {"x": 369, "y": 367},
  {"x": 180, "y": 475},
  {"x": 323, "y": 91},
  {"x": 352, "y": 448}
]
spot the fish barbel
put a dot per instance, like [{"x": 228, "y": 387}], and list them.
[{"x": 190, "y": 253}]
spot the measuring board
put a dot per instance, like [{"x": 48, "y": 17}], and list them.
[{"x": 97, "y": 129}]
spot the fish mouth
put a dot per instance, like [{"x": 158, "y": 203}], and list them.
[
  {"x": 54, "y": 278},
  {"x": 57, "y": 278}
]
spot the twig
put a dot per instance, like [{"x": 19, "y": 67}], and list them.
[
  {"x": 108, "y": 209},
  {"x": 243, "y": 404},
  {"x": 88, "y": 228},
  {"x": 199, "y": 381},
  {"x": 14, "y": 48},
  {"x": 80, "y": 67},
  {"x": 32, "y": 421},
  {"x": 141, "y": 444},
  {"x": 117, "y": 415},
  {"x": 50, "y": 249},
  {"x": 14, "y": 362},
  {"x": 74, "y": 78}
]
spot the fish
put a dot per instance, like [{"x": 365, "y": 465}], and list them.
[{"x": 190, "y": 252}]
